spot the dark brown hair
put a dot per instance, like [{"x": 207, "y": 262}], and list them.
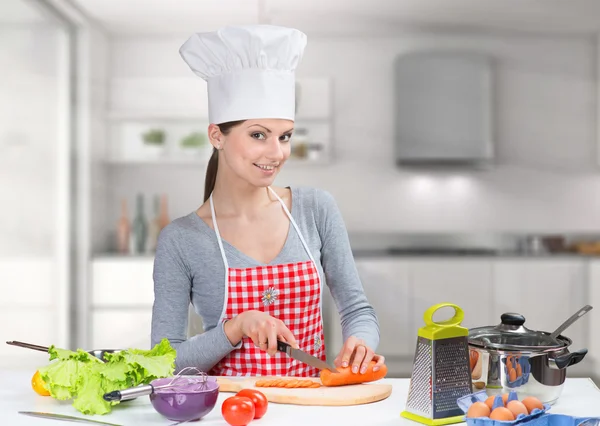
[{"x": 213, "y": 163}]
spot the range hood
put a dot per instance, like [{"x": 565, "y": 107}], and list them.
[{"x": 443, "y": 109}]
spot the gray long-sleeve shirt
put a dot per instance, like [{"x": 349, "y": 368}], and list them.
[{"x": 188, "y": 266}]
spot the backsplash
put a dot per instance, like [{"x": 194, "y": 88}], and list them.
[{"x": 544, "y": 178}]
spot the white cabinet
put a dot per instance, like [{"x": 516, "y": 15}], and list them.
[
  {"x": 121, "y": 329},
  {"x": 121, "y": 303},
  {"x": 401, "y": 290},
  {"x": 466, "y": 283},
  {"x": 119, "y": 282},
  {"x": 593, "y": 318},
  {"x": 386, "y": 285},
  {"x": 545, "y": 292}
]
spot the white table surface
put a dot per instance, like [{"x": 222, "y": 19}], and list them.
[{"x": 580, "y": 398}]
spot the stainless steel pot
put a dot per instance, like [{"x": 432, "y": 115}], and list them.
[{"x": 510, "y": 357}]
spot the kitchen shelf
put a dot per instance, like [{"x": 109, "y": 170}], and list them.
[{"x": 198, "y": 162}]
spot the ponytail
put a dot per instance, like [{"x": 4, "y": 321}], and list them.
[
  {"x": 211, "y": 174},
  {"x": 213, "y": 163}
]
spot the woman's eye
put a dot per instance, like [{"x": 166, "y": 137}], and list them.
[
  {"x": 258, "y": 135},
  {"x": 285, "y": 138}
]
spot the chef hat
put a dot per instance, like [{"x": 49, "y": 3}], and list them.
[{"x": 249, "y": 70}]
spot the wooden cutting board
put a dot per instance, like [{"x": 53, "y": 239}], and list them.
[{"x": 325, "y": 395}]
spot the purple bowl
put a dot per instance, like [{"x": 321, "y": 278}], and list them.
[{"x": 184, "y": 405}]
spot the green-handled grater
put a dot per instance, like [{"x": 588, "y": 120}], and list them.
[{"x": 441, "y": 370}]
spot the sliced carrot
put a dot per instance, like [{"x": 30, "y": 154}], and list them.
[
  {"x": 347, "y": 377},
  {"x": 292, "y": 383},
  {"x": 286, "y": 383}
]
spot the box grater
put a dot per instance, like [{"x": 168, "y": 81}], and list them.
[{"x": 441, "y": 370}]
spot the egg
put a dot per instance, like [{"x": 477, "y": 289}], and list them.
[
  {"x": 512, "y": 375},
  {"x": 502, "y": 413},
  {"x": 531, "y": 402},
  {"x": 519, "y": 371},
  {"x": 517, "y": 407},
  {"x": 478, "y": 409},
  {"x": 490, "y": 402},
  {"x": 504, "y": 398}
]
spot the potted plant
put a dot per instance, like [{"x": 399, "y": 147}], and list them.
[
  {"x": 154, "y": 142},
  {"x": 196, "y": 143}
]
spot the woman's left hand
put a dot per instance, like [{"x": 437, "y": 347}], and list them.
[{"x": 358, "y": 355}]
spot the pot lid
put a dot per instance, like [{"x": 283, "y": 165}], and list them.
[{"x": 511, "y": 334}]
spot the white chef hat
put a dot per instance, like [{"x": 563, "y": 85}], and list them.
[{"x": 250, "y": 70}]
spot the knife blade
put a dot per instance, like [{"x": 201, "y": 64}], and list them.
[
  {"x": 302, "y": 356},
  {"x": 65, "y": 418}
]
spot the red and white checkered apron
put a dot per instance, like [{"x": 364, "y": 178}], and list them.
[{"x": 290, "y": 292}]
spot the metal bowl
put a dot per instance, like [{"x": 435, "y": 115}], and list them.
[{"x": 99, "y": 353}]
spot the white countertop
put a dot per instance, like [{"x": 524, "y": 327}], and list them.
[{"x": 580, "y": 398}]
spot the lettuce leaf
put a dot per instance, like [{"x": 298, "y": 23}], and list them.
[{"x": 82, "y": 377}]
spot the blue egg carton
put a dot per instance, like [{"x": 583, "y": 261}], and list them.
[
  {"x": 525, "y": 371},
  {"x": 466, "y": 401}
]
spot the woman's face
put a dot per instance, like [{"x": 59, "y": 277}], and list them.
[{"x": 256, "y": 149}]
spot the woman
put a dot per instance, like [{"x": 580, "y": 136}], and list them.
[{"x": 253, "y": 258}]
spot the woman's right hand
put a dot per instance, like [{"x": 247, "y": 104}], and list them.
[{"x": 264, "y": 330}]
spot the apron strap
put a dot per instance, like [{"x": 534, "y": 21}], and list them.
[
  {"x": 293, "y": 222},
  {"x": 214, "y": 221},
  {"x": 225, "y": 263}
]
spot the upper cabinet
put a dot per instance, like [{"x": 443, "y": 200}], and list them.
[{"x": 443, "y": 108}]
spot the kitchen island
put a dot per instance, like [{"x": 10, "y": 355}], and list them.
[{"x": 580, "y": 398}]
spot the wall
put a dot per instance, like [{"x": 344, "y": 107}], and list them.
[{"x": 546, "y": 174}]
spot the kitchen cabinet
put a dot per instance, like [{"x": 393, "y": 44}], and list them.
[
  {"x": 121, "y": 304},
  {"x": 593, "y": 319},
  {"x": 386, "y": 285},
  {"x": 466, "y": 283},
  {"x": 121, "y": 329},
  {"x": 122, "y": 281},
  {"x": 400, "y": 290},
  {"x": 546, "y": 292}
]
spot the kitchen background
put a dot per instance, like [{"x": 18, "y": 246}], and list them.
[{"x": 102, "y": 140}]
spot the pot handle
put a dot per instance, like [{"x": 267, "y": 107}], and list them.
[{"x": 572, "y": 358}]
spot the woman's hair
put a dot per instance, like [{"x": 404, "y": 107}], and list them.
[{"x": 213, "y": 163}]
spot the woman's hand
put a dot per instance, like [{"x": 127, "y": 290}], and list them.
[
  {"x": 356, "y": 353},
  {"x": 262, "y": 328}
]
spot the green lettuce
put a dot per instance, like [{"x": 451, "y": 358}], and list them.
[{"x": 84, "y": 378}]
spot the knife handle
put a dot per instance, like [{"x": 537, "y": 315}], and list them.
[{"x": 283, "y": 347}]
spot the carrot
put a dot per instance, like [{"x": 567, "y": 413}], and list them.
[
  {"x": 286, "y": 383},
  {"x": 347, "y": 377}
]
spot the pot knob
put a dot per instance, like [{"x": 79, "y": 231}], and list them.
[{"x": 512, "y": 319}]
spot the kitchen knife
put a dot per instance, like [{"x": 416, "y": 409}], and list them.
[
  {"x": 65, "y": 418},
  {"x": 302, "y": 356}
]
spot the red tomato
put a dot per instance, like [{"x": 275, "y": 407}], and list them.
[
  {"x": 238, "y": 410},
  {"x": 258, "y": 398}
]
